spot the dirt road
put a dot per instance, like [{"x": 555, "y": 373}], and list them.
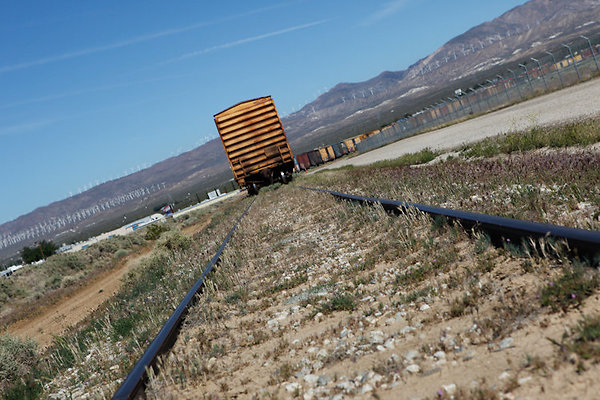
[
  {"x": 571, "y": 103},
  {"x": 69, "y": 311}
]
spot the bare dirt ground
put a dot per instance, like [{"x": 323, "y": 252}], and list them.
[
  {"x": 55, "y": 319},
  {"x": 575, "y": 102}
]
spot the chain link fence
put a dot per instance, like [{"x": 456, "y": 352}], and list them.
[{"x": 563, "y": 66}]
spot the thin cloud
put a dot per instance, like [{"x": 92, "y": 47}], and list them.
[
  {"x": 125, "y": 43},
  {"x": 90, "y": 90},
  {"x": 25, "y": 127},
  {"x": 386, "y": 11},
  {"x": 241, "y": 41}
]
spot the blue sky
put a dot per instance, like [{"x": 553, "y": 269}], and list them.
[{"x": 94, "y": 90}]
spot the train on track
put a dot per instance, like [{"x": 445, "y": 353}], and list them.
[
  {"x": 256, "y": 146},
  {"x": 258, "y": 150},
  {"x": 329, "y": 152}
]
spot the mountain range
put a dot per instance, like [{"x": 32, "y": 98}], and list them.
[{"x": 345, "y": 110}]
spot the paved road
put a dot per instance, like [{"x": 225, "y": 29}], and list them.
[{"x": 574, "y": 102}]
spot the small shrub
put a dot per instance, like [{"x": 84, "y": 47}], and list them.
[
  {"x": 175, "y": 241},
  {"x": 120, "y": 254},
  {"x": 154, "y": 231},
  {"x": 18, "y": 359},
  {"x": 570, "y": 289},
  {"x": 421, "y": 157},
  {"x": 586, "y": 340},
  {"x": 339, "y": 302}
]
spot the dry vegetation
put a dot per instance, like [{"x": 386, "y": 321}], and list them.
[
  {"x": 316, "y": 298},
  {"x": 321, "y": 299}
]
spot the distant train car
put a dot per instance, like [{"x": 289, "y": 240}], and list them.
[
  {"x": 350, "y": 144},
  {"x": 303, "y": 161},
  {"x": 330, "y": 152},
  {"x": 255, "y": 143},
  {"x": 315, "y": 158},
  {"x": 324, "y": 156}
]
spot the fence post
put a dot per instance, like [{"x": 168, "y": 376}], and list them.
[
  {"x": 557, "y": 69},
  {"x": 592, "y": 49},
  {"x": 505, "y": 90},
  {"x": 528, "y": 78},
  {"x": 574, "y": 62},
  {"x": 542, "y": 71},
  {"x": 485, "y": 95},
  {"x": 516, "y": 82}
]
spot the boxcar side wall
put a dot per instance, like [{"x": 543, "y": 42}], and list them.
[{"x": 254, "y": 140}]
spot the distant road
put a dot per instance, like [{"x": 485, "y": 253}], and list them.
[{"x": 574, "y": 102}]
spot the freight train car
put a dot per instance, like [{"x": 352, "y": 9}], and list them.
[
  {"x": 303, "y": 161},
  {"x": 255, "y": 143}
]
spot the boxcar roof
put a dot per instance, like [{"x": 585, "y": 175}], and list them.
[{"x": 241, "y": 103}]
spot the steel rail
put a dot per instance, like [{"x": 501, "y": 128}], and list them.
[
  {"x": 164, "y": 340},
  {"x": 586, "y": 242}
]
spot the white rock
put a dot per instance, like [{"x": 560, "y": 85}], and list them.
[
  {"x": 411, "y": 355},
  {"x": 366, "y": 389},
  {"x": 439, "y": 355},
  {"x": 344, "y": 332},
  {"x": 311, "y": 379},
  {"x": 377, "y": 337},
  {"x": 323, "y": 380},
  {"x": 309, "y": 394},
  {"x": 312, "y": 349},
  {"x": 380, "y": 348},
  {"x": 413, "y": 368},
  {"x": 375, "y": 379},
  {"x": 407, "y": 329},
  {"x": 389, "y": 344},
  {"x": 524, "y": 380},
  {"x": 346, "y": 386},
  {"x": 273, "y": 324},
  {"x": 424, "y": 307},
  {"x": 322, "y": 353},
  {"x": 504, "y": 375},
  {"x": 506, "y": 343},
  {"x": 450, "y": 389},
  {"x": 292, "y": 387}
]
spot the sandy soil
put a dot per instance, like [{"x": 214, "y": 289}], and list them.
[
  {"x": 571, "y": 103},
  {"x": 55, "y": 319}
]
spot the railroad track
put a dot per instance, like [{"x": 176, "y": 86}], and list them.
[
  {"x": 582, "y": 242},
  {"x": 135, "y": 382}
]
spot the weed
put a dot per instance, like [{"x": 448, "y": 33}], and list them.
[
  {"x": 570, "y": 289},
  {"x": 154, "y": 231},
  {"x": 421, "y": 157},
  {"x": 339, "y": 302},
  {"x": 586, "y": 339},
  {"x": 175, "y": 241},
  {"x": 120, "y": 254},
  {"x": 18, "y": 363}
]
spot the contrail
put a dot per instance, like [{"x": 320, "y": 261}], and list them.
[
  {"x": 124, "y": 43},
  {"x": 241, "y": 41}
]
